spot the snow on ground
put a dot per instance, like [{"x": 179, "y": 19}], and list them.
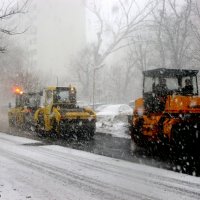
[
  {"x": 113, "y": 119},
  {"x": 29, "y": 171}
]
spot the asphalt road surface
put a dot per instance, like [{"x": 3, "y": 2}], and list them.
[
  {"x": 31, "y": 170},
  {"x": 120, "y": 148}
]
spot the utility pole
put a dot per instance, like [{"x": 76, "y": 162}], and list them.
[
  {"x": 57, "y": 81},
  {"x": 94, "y": 84},
  {"x": 93, "y": 89}
]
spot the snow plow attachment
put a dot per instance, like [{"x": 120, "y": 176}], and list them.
[{"x": 78, "y": 123}]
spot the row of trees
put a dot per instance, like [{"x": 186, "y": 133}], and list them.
[
  {"x": 138, "y": 36},
  {"x": 13, "y": 59},
  {"x": 162, "y": 33}
]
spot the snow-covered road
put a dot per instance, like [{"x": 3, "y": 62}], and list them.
[{"x": 32, "y": 171}]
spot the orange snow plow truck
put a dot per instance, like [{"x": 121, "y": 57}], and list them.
[{"x": 169, "y": 112}]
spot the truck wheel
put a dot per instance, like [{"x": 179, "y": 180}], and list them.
[
  {"x": 137, "y": 136},
  {"x": 40, "y": 127},
  {"x": 11, "y": 123},
  {"x": 55, "y": 132},
  {"x": 178, "y": 142},
  {"x": 91, "y": 133}
]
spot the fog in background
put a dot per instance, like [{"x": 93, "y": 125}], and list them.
[{"x": 60, "y": 43}]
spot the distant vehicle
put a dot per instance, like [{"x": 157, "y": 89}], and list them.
[
  {"x": 95, "y": 106},
  {"x": 22, "y": 114},
  {"x": 118, "y": 112},
  {"x": 101, "y": 107}
]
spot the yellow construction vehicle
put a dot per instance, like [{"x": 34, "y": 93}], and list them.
[
  {"x": 169, "y": 112},
  {"x": 22, "y": 114},
  {"x": 60, "y": 115}
]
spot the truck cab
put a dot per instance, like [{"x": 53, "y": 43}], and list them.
[{"x": 160, "y": 83}]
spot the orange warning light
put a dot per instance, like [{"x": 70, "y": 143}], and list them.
[{"x": 17, "y": 90}]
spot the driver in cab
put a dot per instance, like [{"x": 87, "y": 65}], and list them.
[
  {"x": 188, "y": 89},
  {"x": 161, "y": 90}
]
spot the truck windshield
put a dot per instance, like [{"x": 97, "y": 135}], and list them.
[
  {"x": 186, "y": 86},
  {"x": 33, "y": 100},
  {"x": 150, "y": 83},
  {"x": 61, "y": 96}
]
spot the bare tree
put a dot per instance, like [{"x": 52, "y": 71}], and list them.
[
  {"x": 159, "y": 33},
  {"x": 167, "y": 42},
  {"x": 196, "y": 34},
  {"x": 136, "y": 59},
  {"x": 9, "y": 10},
  {"x": 28, "y": 80},
  {"x": 82, "y": 65},
  {"x": 14, "y": 71},
  {"x": 127, "y": 19},
  {"x": 173, "y": 30}
]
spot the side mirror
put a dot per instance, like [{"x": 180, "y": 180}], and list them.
[{"x": 9, "y": 105}]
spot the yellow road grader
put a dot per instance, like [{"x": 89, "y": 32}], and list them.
[
  {"x": 22, "y": 114},
  {"x": 57, "y": 114},
  {"x": 169, "y": 112}
]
